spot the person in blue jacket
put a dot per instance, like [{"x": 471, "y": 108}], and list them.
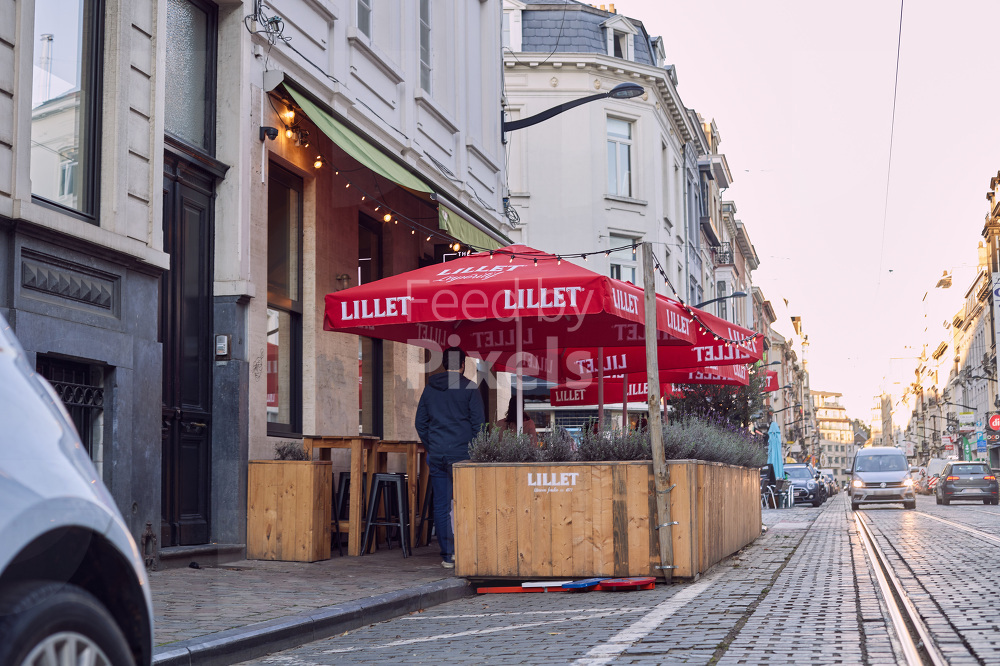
[{"x": 449, "y": 416}]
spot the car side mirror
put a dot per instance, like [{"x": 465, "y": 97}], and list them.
[{"x": 914, "y": 470}]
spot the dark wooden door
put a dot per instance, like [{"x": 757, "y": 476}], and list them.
[{"x": 186, "y": 334}]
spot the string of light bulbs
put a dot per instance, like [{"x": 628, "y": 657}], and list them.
[{"x": 394, "y": 216}]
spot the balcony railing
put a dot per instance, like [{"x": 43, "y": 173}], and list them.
[{"x": 723, "y": 254}]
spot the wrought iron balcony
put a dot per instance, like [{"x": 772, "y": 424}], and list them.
[{"x": 723, "y": 254}]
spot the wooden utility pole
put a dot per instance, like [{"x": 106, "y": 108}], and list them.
[{"x": 661, "y": 477}]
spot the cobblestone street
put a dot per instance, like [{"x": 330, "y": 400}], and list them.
[{"x": 804, "y": 592}]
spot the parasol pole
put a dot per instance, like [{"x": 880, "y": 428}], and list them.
[
  {"x": 600, "y": 387},
  {"x": 519, "y": 370},
  {"x": 625, "y": 402},
  {"x": 661, "y": 475}
]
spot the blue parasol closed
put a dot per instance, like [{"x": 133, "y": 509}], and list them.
[{"x": 775, "y": 458}]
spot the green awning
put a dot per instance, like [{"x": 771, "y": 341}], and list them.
[
  {"x": 358, "y": 148},
  {"x": 462, "y": 230}
]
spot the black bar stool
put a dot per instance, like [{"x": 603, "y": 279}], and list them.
[
  {"x": 336, "y": 535},
  {"x": 344, "y": 492},
  {"x": 427, "y": 516},
  {"x": 391, "y": 490}
]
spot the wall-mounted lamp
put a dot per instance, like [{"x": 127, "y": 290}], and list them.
[
  {"x": 269, "y": 133},
  {"x": 342, "y": 280}
]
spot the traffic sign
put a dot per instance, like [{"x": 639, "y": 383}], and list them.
[{"x": 995, "y": 421}]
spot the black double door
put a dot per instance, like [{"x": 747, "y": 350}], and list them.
[{"x": 186, "y": 335}]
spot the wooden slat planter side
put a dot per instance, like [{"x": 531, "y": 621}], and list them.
[
  {"x": 551, "y": 520},
  {"x": 289, "y": 510}
]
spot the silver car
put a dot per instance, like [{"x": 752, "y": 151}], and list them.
[
  {"x": 881, "y": 475},
  {"x": 73, "y": 586}
]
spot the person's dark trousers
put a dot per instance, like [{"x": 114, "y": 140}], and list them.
[{"x": 441, "y": 482}]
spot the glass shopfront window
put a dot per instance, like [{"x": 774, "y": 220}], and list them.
[
  {"x": 65, "y": 103},
  {"x": 284, "y": 303}
]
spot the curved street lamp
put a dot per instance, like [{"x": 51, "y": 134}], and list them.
[
  {"x": 621, "y": 91},
  {"x": 784, "y": 408},
  {"x": 735, "y": 294}
]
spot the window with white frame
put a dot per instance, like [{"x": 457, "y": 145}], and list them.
[
  {"x": 619, "y": 157},
  {"x": 623, "y": 262},
  {"x": 425, "y": 45},
  {"x": 723, "y": 306},
  {"x": 365, "y": 18},
  {"x": 620, "y": 44}
]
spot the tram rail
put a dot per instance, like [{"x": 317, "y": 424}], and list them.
[{"x": 917, "y": 645}]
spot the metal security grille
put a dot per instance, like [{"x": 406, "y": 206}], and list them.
[{"x": 80, "y": 388}]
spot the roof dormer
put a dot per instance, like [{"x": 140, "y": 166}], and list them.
[
  {"x": 511, "y": 35},
  {"x": 620, "y": 35}
]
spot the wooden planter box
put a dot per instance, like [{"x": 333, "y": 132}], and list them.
[
  {"x": 289, "y": 510},
  {"x": 578, "y": 520}
]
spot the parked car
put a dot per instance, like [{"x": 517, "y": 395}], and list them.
[
  {"x": 832, "y": 488},
  {"x": 73, "y": 585},
  {"x": 966, "y": 481},
  {"x": 881, "y": 475},
  {"x": 807, "y": 486}
]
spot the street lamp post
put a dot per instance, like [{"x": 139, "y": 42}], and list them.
[{"x": 621, "y": 91}]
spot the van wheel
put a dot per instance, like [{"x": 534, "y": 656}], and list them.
[
  {"x": 946, "y": 502},
  {"x": 61, "y": 619},
  {"x": 854, "y": 506},
  {"x": 910, "y": 505}
]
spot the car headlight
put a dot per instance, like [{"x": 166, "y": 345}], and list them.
[
  {"x": 908, "y": 482},
  {"x": 858, "y": 483},
  {"x": 810, "y": 485}
]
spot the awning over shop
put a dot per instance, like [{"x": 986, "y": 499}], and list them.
[
  {"x": 357, "y": 147},
  {"x": 462, "y": 230}
]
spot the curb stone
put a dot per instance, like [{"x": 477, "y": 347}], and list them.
[{"x": 256, "y": 640}]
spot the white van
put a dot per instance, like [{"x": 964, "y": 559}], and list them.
[{"x": 881, "y": 475}]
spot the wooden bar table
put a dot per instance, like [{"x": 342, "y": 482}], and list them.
[
  {"x": 417, "y": 474},
  {"x": 359, "y": 445}
]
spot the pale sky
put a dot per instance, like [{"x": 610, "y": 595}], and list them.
[{"x": 802, "y": 95}]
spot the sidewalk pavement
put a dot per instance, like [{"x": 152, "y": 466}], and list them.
[
  {"x": 225, "y": 614},
  {"x": 245, "y": 609}
]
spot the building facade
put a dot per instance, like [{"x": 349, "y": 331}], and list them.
[{"x": 181, "y": 183}]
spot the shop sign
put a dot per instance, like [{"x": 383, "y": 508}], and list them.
[{"x": 994, "y": 421}]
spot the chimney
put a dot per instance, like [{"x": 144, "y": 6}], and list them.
[{"x": 611, "y": 8}]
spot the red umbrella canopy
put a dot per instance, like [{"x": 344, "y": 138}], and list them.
[
  {"x": 567, "y": 396},
  {"x": 718, "y": 343},
  {"x": 473, "y": 302}
]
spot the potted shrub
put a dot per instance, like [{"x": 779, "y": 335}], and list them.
[
  {"x": 563, "y": 512},
  {"x": 289, "y": 506}
]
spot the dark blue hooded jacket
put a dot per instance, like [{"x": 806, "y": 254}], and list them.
[{"x": 449, "y": 415}]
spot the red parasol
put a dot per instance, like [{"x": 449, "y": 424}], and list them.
[{"x": 499, "y": 303}]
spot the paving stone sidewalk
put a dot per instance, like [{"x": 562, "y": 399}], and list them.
[{"x": 206, "y": 603}]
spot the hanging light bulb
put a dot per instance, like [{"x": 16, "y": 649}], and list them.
[
  {"x": 396, "y": 221},
  {"x": 633, "y": 249},
  {"x": 319, "y": 162},
  {"x": 376, "y": 208},
  {"x": 607, "y": 253},
  {"x": 362, "y": 197},
  {"x": 558, "y": 261},
  {"x": 413, "y": 232},
  {"x": 428, "y": 238},
  {"x": 585, "y": 257},
  {"x": 346, "y": 186},
  {"x": 456, "y": 247},
  {"x": 536, "y": 262},
  {"x": 288, "y": 132},
  {"x": 511, "y": 258},
  {"x": 290, "y": 115},
  {"x": 386, "y": 217},
  {"x": 491, "y": 254}
]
